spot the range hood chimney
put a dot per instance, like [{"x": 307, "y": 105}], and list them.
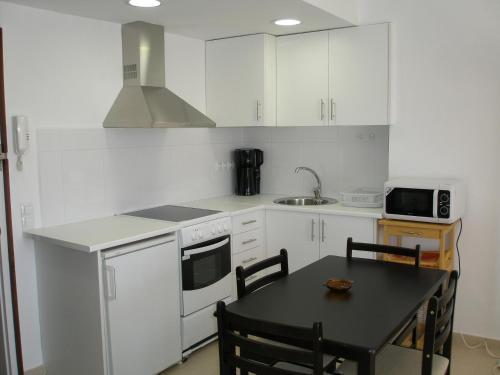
[{"x": 144, "y": 102}]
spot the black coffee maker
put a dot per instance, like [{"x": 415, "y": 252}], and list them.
[{"x": 248, "y": 162}]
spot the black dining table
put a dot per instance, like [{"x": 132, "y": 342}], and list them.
[{"x": 357, "y": 324}]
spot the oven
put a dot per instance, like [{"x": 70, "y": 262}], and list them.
[{"x": 206, "y": 273}]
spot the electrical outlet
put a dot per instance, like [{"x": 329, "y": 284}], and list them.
[{"x": 27, "y": 216}]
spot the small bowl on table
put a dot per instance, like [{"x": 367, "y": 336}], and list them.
[{"x": 339, "y": 285}]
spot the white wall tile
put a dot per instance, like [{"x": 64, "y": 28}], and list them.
[
  {"x": 344, "y": 157},
  {"x": 51, "y": 187}
]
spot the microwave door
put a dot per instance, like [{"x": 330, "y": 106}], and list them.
[{"x": 411, "y": 202}]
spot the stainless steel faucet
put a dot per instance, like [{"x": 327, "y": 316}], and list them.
[{"x": 317, "y": 189}]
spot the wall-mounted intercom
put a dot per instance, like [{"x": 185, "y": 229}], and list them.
[{"x": 21, "y": 138}]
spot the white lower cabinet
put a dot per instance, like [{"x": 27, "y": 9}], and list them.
[
  {"x": 110, "y": 312},
  {"x": 334, "y": 231},
  {"x": 297, "y": 232},
  {"x": 143, "y": 308},
  {"x": 307, "y": 237}
]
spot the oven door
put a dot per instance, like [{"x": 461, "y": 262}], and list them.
[
  {"x": 206, "y": 274},
  {"x": 411, "y": 203}
]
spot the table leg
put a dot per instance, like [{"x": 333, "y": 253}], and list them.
[{"x": 366, "y": 365}]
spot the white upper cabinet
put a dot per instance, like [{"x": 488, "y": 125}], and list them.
[
  {"x": 359, "y": 75},
  {"x": 302, "y": 83},
  {"x": 241, "y": 81}
]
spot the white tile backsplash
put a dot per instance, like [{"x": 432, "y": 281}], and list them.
[
  {"x": 345, "y": 158},
  {"x": 87, "y": 173}
]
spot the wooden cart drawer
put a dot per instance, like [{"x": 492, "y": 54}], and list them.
[
  {"x": 247, "y": 240},
  {"x": 247, "y": 222},
  {"x": 412, "y": 232}
]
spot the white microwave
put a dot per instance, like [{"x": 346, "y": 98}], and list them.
[{"x": 424, "y": 199}]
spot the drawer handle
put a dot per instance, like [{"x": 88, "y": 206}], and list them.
[
  {"x": 412, "y": 233},
  {"x": 250, "y": 278},
  {"x": 249, "y": 260},
  {"x": 248, "y": 222},
  {"x": 249, "y": 241}
]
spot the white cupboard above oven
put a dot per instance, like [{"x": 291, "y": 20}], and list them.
[{"x": 241, "y": 81}]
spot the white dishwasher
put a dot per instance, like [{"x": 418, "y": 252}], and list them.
[{"x": 142, "y": 290}]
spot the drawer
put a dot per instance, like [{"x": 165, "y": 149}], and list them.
[
  {"x": 247, "y": 222},
  {"x": 412, "y": 232},
  {"x": 246, "y": 259},
  {"x": 249, "y": 257},
  {"x": 246, "y": 241}
]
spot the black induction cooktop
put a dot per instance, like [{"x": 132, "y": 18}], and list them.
[{"x": 172, "y": 213}]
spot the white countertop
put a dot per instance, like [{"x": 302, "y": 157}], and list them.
[
  {"x": 104, "y": 233},
  {"x": 238, "y": 204}
]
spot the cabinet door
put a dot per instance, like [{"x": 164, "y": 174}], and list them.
[
  {"x": 143, "y": 306},
  {"x": 296, "y": 232},
  {"x": 336, "y": 229},
  {"x": 359, "y": 75},
  {"x": 302, "y": 94},
  {"x": 241, "y": 81}
]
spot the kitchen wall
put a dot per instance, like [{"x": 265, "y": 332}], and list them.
[
  {"x": 89, "y": 173},
  {"x": 64, "y": 72},
  {"x": 345, "y": 158},
  {"x": 446, "y": 95}
]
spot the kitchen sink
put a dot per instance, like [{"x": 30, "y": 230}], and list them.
[{"x": 305, "y": 201}]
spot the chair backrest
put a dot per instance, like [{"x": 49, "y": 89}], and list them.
[
  {"x": 242, "y": 274},
  {"x": 439, "y": 325},
  {"x": 257, "y": 356},
  {"x": 384, "y": 249}
]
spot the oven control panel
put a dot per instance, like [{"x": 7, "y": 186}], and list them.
[{"x": 205, "y": 231}]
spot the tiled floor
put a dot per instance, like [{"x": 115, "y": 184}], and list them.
[{"x": 465, "y": 362}]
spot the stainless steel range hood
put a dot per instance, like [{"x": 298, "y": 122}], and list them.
[{"x": 144, "y": 102}]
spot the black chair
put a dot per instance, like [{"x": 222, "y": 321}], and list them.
[
  {"x": 384, "y": 249},
  {"x": 264, "y": 357},
  {"x": 411, "y": 328},
  {"x": 242, "y": 274},
  {"x": 435, "y": 359}
]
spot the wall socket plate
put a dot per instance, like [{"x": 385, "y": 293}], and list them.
[{"x": 27, "y": 215}]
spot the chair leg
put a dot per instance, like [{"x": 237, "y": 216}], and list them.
[{"x": 414, "y": 338}]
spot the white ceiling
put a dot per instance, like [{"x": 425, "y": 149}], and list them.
[{"x": 204, "y": 19}]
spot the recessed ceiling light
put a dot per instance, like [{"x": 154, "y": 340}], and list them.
[
  {"x": 287, "y": 22},
  {"x": 145, "y": 3}
]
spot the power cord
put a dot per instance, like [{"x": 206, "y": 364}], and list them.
[
  {"x": 483, "y": 342},
  {"x": 458, "y": 249}
]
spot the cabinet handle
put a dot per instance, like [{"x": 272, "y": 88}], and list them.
[
  {"x": 323, "y": 235},
  {"x": 322, "y": 109},
  {"x": 313, "y": 223},
  {"x": 249, "y": 260},
  {"x": 248, "y": 222},
  {"x": 259, "y": 105},
  {"x": 110, "y": 283},
  {"x": 248, "y": 241},
  {"x": 412, "y": 233},
  {"x": 332, "y": 109}
]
